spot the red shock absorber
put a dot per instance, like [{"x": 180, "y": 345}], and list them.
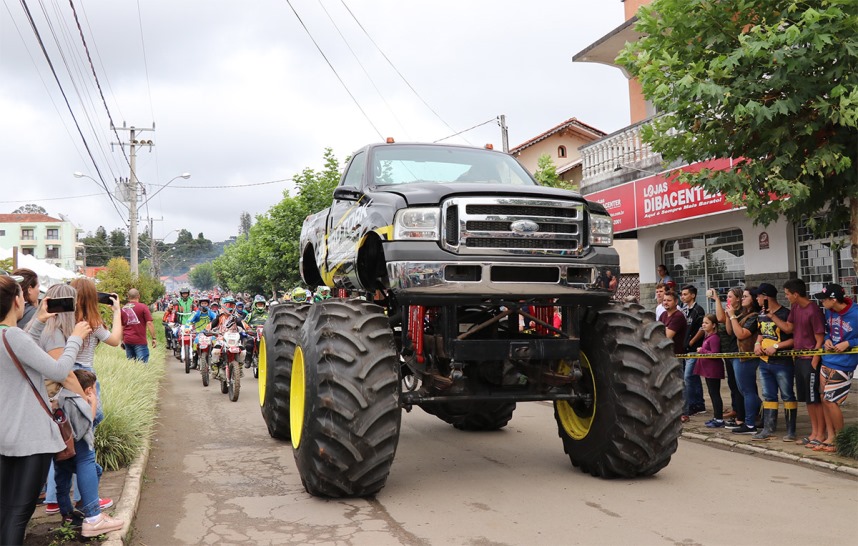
[
  {"x": 415, "y": 329},
  {"x": 543, "y": 313}
]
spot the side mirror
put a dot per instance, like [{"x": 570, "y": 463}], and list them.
[{"x": 347, "y": 193}]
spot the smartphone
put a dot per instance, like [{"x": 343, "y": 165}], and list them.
[
  {"x": 766, "y": 306},
  {"x": 60, "y": 305},
  {"x": 104, "y": 298}
]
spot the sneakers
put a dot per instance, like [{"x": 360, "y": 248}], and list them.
[
  {"x": 104, "y": 524},
  {"x": 714, "y": 423},
  {"x": 52, "y": 508},
  {"x": 102, "y": 504},
  {"x": 730, "y": 423},
  {"x": 744, "y": 429}
]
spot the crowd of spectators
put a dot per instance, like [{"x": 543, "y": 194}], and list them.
[{"x": 765, "y": 373}]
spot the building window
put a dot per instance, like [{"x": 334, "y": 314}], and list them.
[
  {"x": 561, "y": 151},
  {"x": 52, "y": 252},
  {"x": 28, "y": 251},
  {"x": 2, "y": 232},
  {"x": 824, "y": 260},
  {"x": 706, "y": 260},
  {"x": 28, "y": 235},
  {"x": 53, "y": 234}
]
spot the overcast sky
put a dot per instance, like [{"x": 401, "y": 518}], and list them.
[{"x": 240, "y": 95}]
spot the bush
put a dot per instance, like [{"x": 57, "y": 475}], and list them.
[
  {"x": 847, "y": 441},
  {"x": 129, "y": 397}
]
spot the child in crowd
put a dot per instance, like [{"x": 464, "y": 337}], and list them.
[
  {"x": 81, "y": 413},
  {"x": 712, "y": 369}
]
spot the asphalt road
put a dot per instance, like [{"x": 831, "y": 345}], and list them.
[{"x": 216, "y": 477}]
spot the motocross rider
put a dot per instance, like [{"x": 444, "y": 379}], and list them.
[
  {"x": 169, "y": 318},
  {"x": 202, "y": 319},
  {"x": 257, "y": 317},
  {"x": 227, "y": 321},
  {"x": 322, "y": 293},
  {"x": 298, "y": 295},
  {"x": 185, "y": 305}
]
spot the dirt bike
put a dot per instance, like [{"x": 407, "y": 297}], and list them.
[
  {"x": 204, "y": 351},
  {"x": 230, "y": 365},
  {"x": 254, "y": 356},
  {"x": 184, "y": 347}
]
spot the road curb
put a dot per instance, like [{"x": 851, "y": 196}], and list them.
[
  {"x": 127, "y": 506},
  {"x": 702, "y": 438}
]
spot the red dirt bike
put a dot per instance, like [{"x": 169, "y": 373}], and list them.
[
  {"x": 204, "y": 352},
  {"x": 254, "y": 357},
  {"x": 230, "y": 363},
  {"x": 185, "y": 345}
]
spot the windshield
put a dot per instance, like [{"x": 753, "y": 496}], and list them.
[{"x": 415, "y": 164}]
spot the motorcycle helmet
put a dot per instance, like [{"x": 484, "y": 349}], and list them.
[
  {"x": 228, "y": 303},
  {"x": 259, "y": 302},
  {"x": 184, "y": 291},
  {"x": 324, "y": 291},
  {"x": 299, "y": 295}
]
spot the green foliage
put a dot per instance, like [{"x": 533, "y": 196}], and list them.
[
  {"x": 546, "y": 174},
  {"x": 770, "y": 83},
  {"x": 203, "y": 276},
  {"x": 266, "y": 260},
  {"x": 30, "y": 208},
  {"x": 129, "y": 395},
  {"x": 6, "y": 265},
  {"x": 847, "y": 441},
  {"x": 117, "y": 278}
]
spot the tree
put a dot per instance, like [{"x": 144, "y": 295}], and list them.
[
  {"x": 203, "y": 276},
  {"x": 768, "y": 83},
  {"x": 244, "y": 223},
  {"x": 30, "y": 208},
  {"x": 546, "y": 174}
]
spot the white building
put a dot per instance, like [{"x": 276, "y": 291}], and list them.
[{"x": 53, "y": 240}]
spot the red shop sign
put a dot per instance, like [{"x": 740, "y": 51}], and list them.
[{"x": 619, "y": 201}]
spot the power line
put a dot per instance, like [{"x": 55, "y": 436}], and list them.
[
  {"x": 228, "y": 186},
  {"x": 307, "y": 30},
  {"x": 52, "y": 198},
  {"x": 371, "y": 81},
  {"x": 466, "y": 130},
  {"x": 386, "y": 58},
  {"x": 68, "y": 105},
  {"x": 145, "y": 62}
]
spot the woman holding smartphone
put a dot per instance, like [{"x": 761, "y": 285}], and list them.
[
  {"x": 87, "y": 310},
  {"x": 28, "y": 439}
]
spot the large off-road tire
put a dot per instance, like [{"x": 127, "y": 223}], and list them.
[
  {"x": 345, "y": 399},
  {"x": 473, "y": 415},
  {"x": 633, "y": 428},
  {"x": 234, "y": 382},
  {"x": 188, "y": 360},
  {"x": 275, "y": 365}
]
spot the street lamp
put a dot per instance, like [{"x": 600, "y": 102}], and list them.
[
  {"x": 183, "y": 175},
  {"x": 619, "y": 168}
]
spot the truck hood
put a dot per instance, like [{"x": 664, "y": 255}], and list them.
[{"x": 434, "y": 193}]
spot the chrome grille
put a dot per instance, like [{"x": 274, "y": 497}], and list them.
[{"x": 486, "y": 225}]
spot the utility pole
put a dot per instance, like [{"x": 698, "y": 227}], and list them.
[
  {"x": 133, "y": 143},
  {"x": 504, "y": 132}
]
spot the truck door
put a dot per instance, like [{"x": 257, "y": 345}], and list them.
[{"x": 346, "y": 221}]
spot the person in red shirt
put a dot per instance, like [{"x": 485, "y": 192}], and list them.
[{"x": 136, "y": 320}]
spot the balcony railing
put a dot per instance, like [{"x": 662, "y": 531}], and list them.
[{"x": 624, "y": 147}]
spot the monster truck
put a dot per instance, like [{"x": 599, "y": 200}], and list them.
[{"x": 482, "y": 289}]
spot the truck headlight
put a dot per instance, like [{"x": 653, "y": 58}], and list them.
[
  {"x": 417, "y": 223},
  {"x": 601, "y": 230}
]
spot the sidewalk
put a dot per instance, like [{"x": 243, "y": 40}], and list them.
[{"x": 775, "y": 447}]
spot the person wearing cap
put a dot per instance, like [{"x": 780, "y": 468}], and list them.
[
  {"x": 836, "y": 371},
  {"x": 776, "y": 372},
  {"x": 805, "y": 323}
]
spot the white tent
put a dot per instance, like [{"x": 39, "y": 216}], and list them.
[{"x": 49, "y": 274}]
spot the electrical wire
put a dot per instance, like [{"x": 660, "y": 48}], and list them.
[
  {"x": 307, "y": 30},
  {"x": 466, "y": 130},
  {"x": 386, "y": 58},
  {"x": 97, "y": 83},
  {"x": 228, "y": 186},
  {"x": 68, "y": 105},
  {"x": 53, "y": 198},
  {"x": 371, "y": 81},
  {"x": 145, "y": 61}
]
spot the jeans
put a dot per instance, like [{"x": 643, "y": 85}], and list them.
[
  {"x": 693, "y": 392},
  {"x": 88, "y": 473},
  {"x": 137, "y": 352},
  {"x": 737, "y": 401},
  {"x": 746, "y": 377},
  {"x": 777, "y": 377},
  {"x": 51, "y": 487}
]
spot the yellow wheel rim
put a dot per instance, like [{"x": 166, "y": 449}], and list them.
[
  {"x": 296, "y": 397},
  {"x": 577, "y": 419},
  {"x": 263, "y": 371}
]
